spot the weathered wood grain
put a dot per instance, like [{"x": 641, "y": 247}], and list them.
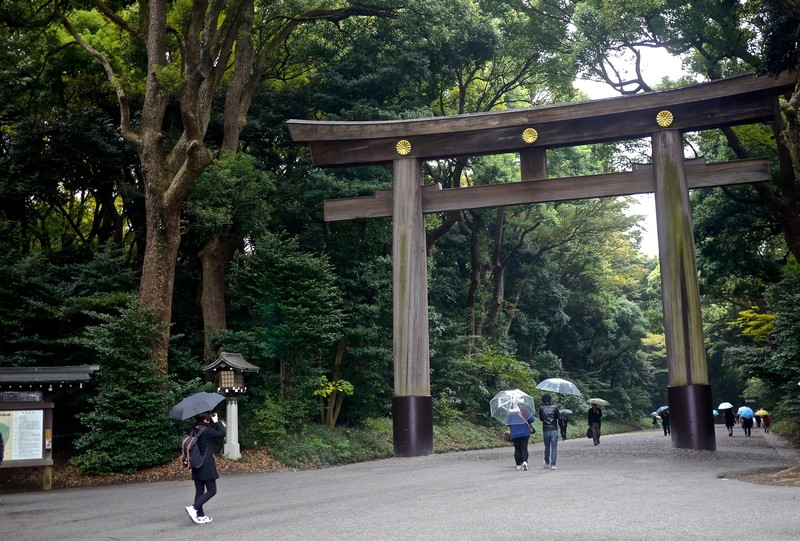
[
  {"x": 435, "y": 199},
  {"x": 410, "y": 283},
  {"x": 683, "y": 323},
  {"x": 309, "y": 130},
  {"x": 636, "y": 124},
  {"x": 533, "y": 163}
]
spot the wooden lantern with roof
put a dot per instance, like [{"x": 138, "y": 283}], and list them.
[{"x": 228, "y": 372}]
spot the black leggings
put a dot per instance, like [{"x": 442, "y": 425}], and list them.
[
  {"x": 203, "y": 491},
  {"x": 520, "y": 450}
]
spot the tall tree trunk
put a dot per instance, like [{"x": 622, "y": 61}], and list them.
[
  {"x": 498, "y": 274},
  {"x": 158, "y": 271},
  {"x": 474, "y": 282},
  {"x": 334, "y": 401},
  {"x": 213, "y": 259}
]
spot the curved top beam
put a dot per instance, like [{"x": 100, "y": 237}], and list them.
[{"x": 725, "y": 102}]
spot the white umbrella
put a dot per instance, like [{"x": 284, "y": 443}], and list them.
[
  {"x": 512, "y": 401},
  {"x": 558, "y": 385},
  {"x": 725, "y": 406},
  {"x": 599, "y": 402}
]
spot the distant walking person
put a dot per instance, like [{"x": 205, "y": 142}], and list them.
[
  {"x": 747, "y": 425},
  {"x": 665, "y": 422},
  {"x": 595, "y": 420},
  {"x": 758, "y": 421},
  {"x": 563, "y": 421},
  {"x": 549, "y": 415},
  {"x": 520, "y": 426},
  {"x": 767, "y": 423},
  {"x": 730, "y": 420},
  {"x": 205, "y": 477}
]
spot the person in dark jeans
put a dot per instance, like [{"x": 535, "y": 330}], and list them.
[
  {"x": 520, "y": 425},
  {"x": 549, "y": 415},
  {"x": 205, "y": 477},
  {"x": 747, "y": 425},
  {"x": 595, "y": 420}
]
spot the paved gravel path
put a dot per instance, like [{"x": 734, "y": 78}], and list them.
[{"x": 630, "y": 487}]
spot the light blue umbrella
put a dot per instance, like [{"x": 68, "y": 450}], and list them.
[
  {"x": 716, "y": 413},
  {"x": 746, "y": 412},
  {"x": 662, "y": 408}
]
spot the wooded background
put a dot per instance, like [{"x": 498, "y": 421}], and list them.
[{"x": 154, "y": 211}]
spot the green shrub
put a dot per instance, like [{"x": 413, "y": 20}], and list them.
[
  {"x": 131, "y": 398},
  {"x": 271, "y": 420},
  {"x": 318, "y": 446}
]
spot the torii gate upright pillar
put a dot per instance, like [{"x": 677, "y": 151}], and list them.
[
  {"x": 412, "y": 410},
  {"x": 689, "y": 394}
]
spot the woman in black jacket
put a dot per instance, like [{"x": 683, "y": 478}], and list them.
[{"x": 205, "y": 477}]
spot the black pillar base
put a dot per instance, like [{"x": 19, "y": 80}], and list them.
[
  {"x": 412, "y": 425},
  {"x": 691, "y": 417}
]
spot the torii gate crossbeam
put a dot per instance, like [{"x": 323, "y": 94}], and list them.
[{"x": 663, "y": 116}]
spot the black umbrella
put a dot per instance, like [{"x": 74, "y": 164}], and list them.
[{"x": 197, "y": 403}]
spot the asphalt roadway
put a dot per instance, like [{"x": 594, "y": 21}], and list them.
[{"x": 631, "y": 487}]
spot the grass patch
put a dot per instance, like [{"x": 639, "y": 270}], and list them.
[
  {"x": 318, "y": 446},
  {"x": 789, "y": 428}
]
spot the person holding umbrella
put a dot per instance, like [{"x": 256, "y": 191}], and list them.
[
  {"x": 520, "y": 426},
  {"x": 767, "y": 423},
  {"x": 595, "y": 419},
  {"x": 563, "y": 421},
  {"x": 747, "y": 420},
  {"x": 730, "y": 420},
  {"x": 549, "y": 415},
  {"x": 664, "y": 414},
  {"x": 205, "y": 477}
]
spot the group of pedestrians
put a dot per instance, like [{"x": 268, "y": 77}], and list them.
[
  {"x": 732, "y": 419},
  {"x": 520, "y": 425}
]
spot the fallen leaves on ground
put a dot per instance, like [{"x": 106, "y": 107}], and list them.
[{"x": 65, "y": 475}]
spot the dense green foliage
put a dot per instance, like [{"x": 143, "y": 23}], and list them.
[
  {"x": 516, "y": 294},
  {"x": 127, "y": 429}
]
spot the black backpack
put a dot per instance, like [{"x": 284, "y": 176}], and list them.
[{"x": 190, "y": 450}]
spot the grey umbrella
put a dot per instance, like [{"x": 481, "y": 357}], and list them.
[{"x": 197, "y": 403}]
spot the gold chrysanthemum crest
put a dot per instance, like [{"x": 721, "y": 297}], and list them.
[
  {"x": 529, "y": 135},
  {"x": 664, "y": 118},
  {"x": 403, "y": 147}
]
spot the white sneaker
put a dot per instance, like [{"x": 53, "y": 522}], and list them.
[
  {"x": 525, "y": 466},
  {"x": 204, "y": 519},
  {"x": 192, "y": 513},
  {"x": 546, "y": 465},
  {"x": 553, "y": 468},
  {"x": 519, "y": 467}
]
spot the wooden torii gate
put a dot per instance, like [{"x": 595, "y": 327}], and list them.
[{"x": 662, "y": 116}]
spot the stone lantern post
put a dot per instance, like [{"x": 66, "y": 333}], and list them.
[{"x": 227, "y": 372}]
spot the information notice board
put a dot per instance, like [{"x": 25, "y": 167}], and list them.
[{"x": 23, "y": 432}]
